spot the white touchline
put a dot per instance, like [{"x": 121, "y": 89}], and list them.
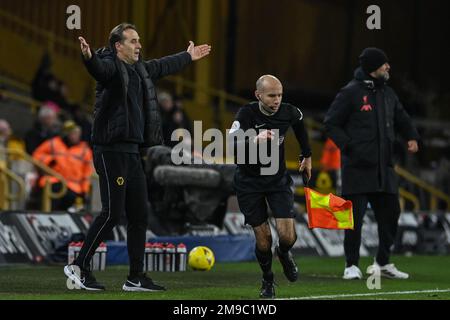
[{"x": 365, "y": 294}]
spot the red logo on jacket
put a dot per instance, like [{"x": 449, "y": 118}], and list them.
[{"x": 366, "y": 106}]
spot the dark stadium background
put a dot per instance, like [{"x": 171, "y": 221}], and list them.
[{"x": 312, "y": 46}]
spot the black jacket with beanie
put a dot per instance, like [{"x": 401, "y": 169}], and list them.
[{"x": 363, "y": 120}]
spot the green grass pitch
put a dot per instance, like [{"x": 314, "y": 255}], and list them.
[{"x": 319, "y": 278}]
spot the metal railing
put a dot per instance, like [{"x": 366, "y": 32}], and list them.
[
  {"x": 6, "y": 197},
  {"x": 404, "y": 196},
  {"x": 435, "y": 193},
  {"x": 33, "y": 104},
  {"x": 47, "y": 193},
  {"x": 15, "y": 84}
]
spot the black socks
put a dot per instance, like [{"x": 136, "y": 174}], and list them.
[
  {"x": 284, "y": 249},
  {"x": 265, "y": 262}
]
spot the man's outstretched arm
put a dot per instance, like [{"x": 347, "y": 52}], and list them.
[
  {"x": 101, "y": 69},
  {"x": 158, "y": 68}
]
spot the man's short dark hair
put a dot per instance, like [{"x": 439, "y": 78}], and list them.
[{"x": 116, "y": 34}]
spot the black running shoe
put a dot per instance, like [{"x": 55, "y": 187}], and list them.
[
  {"x": 82, "y": 279},
  {"x": 289, "y": 266},
  {"x": 267, "y": 290},
  {"x": 141, "y": 283}
]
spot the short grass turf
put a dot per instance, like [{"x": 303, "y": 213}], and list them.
[{"x": 319, "y": 276}]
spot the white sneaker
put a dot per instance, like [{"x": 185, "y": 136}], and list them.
[
  {"x": 352, "y": 272},
  {"x": 387, "y": 271},
  {"x": 373, "y": 268}
]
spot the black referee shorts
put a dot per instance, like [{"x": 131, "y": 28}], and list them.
[{"x": 253, "y": 194}]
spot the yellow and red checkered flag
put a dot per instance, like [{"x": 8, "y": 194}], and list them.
[{"x": 328, "y": 211}]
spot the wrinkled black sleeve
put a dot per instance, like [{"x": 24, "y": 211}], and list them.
[
  {"x": 336, "y": 117},
  {"x": 301, "y": 134},
  {"x": 158, "y": 68}
]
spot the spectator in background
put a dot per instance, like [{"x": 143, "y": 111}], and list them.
[
  {"x": 331, "y": 161},
  {"x": 173, "y": 117},
  {"x": 47, "y": 87},
  {"x": 70, "y": 157},
  {"x": 167, "y": 107},
  {"x": 181, "y": 117},
  {"x": 6, "y": 140},
  {"x": 44, "y": 85},
  {"x": 83, "y": 121},
  {"x": 47, "y": 126},
  {"x": 331, "y": 156},
  {"x": 5, "y": 133},
  {"x": 14, "y": 161},
  {"x": 62, "y": 97}
]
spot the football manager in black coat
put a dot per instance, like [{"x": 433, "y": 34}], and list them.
[
  {"x": 126, "y": 121},
  {"x": 362, "y": 121}
]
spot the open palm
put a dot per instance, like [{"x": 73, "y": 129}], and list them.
[{"x": 198, "y": 52}]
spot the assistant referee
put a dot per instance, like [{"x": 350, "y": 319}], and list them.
[{"x": 271, "y": 119}]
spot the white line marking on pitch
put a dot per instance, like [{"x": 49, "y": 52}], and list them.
[{"x": 365, "y": 294}]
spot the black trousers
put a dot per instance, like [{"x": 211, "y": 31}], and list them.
[
  {"x": 123, "y": 188},
  {"x": 387, "y": 211}
]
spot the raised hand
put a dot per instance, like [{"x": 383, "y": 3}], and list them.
[
  {"x": 85, "y": 49},
  {"x": 198, "y": 52}
]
